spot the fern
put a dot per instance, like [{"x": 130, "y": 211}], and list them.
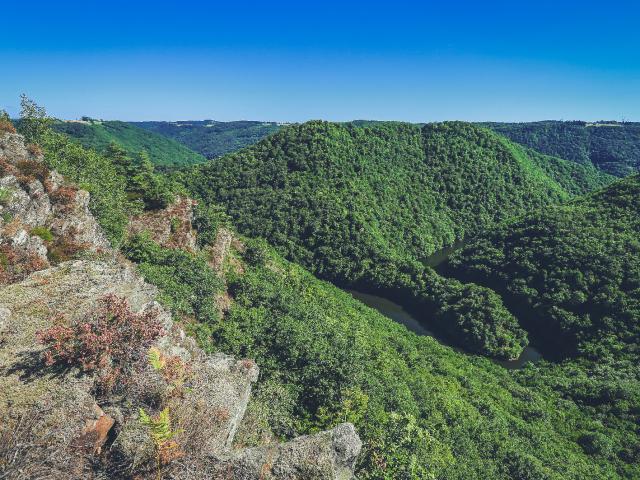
[
  {"x": 159, "y": 426},
  {"x": 156, "y": 359}
]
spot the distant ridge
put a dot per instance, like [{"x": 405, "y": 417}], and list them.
[
  {"x": 613, "y": 147},
  {"x": 211, "y": 138},
  {"x": 98, "y": 134}
]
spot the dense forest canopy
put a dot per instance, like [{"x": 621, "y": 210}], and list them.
[
  {"x": 99, "y": 135},
  {"x": 366, "y": 206},
  {"x": 613, "y": 147},
  {"x": 343, "y": 198},
  {"x": 573, "y": 270},
  {"x": 210, "y": 138}
]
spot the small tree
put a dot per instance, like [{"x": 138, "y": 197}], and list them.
[
  {"x": 154, "y": 189},
  {"x": 34, "y": 122}
]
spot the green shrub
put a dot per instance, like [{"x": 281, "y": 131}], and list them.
[
  {"x": 255, "y": 252},
  {"x": 43, "y": 232},
  {"x": 5, "y": 196},
  {"x": 207, "y": 218},
  {"x": 186, "y": 282}
]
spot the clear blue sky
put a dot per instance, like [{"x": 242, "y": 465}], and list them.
[{"x": 294, "y": 61}]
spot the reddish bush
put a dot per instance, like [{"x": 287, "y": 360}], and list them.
[
  {"x": 64, "y": 249},
  {"x": 65, "y": 194},
  {"x": 33, "y": 169},
  {"x": 7, "y": 126},
  {"x": 34, "y": 149},
  {"x": 7, "y": 168},
  {"x": 111, "y": 341},
  {"x": 16, "y": 265}
]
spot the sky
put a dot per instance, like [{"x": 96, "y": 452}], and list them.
[{"x": 296, "y": 61}]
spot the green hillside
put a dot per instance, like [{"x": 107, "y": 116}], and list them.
[
  {"x": 344, "y": 199},
  {"x": 364, "y": 207},
  {"x": 422, "y": 409},
  {"x": 611, "y": 146},
  {"x": 572, "y": 272},
  {"x": 210, "y": 138},
  {"x": 99, "y": 134}
]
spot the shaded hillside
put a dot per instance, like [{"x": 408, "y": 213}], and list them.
[
  {"x": 572, "y": 271},
  {"x": 100, "y": 134},
  {"x": 611, "y": 146},
  {"x": 210, "y": 138}
]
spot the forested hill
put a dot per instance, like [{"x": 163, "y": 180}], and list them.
[
  {"x": 366, "y": 206},
  {"x": 423, "y": 410},
  {"x": 611, "y": 146},
  {"x": 573, "y": 270},
  {"x": 345, "y": 200},
  {"x": 210, "y": 138},
  {"x": 98, "y": 135}
]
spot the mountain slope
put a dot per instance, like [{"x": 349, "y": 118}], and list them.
[
  {"x": 343, "y": 199},
  {"x": 366, "y": 206},
  {"x": 573, "y": 270},
  {"x": 612, "y": 147},
  {"x": 210, "y": 138},
  {"x": 99, "y": 134},
  {"x": 423, "y": 410}
]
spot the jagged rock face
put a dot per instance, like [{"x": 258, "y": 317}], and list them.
[
  {"x": 170, "y": 227},
  {"x": 12, "y": 146},
  {"x": 66, "y": 423},
  {"x": 34, "y": 197}
]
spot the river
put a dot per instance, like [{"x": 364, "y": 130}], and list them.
[{"x": 397, "y": 313}]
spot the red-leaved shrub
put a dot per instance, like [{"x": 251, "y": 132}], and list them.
[
  {"x": 34, "y": 149},
  {"x": 7, "y": 126},
  {"x": 16, "y": 264},
  {"x": 110, "y": 342},
  {"x": 65, "y": 197}
]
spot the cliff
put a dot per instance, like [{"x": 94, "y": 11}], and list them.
[{"x": 96, "y": 380}]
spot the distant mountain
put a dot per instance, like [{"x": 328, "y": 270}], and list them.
[
  {"x": 99, "y": 134},
  {"x": 611, "y": 146},
  {"x": 210, "y": 138}
]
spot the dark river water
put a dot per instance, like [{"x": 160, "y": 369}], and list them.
[{"x": 400, "y": 315}]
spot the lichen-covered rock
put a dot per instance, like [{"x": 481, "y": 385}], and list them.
[
  {"x": 12, "y": 146},
  {"x": 330, "y": 454},
  {"x": 37, "y": 197},
  {"x": 31, "y": 206}
]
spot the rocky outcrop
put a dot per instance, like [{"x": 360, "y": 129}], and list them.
[
  {"x": 170, "y": 227},
  {"x": 55, "y": 424},
  {"x": 212, "y": 408},
  {"x": 40, "y": 215}
]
